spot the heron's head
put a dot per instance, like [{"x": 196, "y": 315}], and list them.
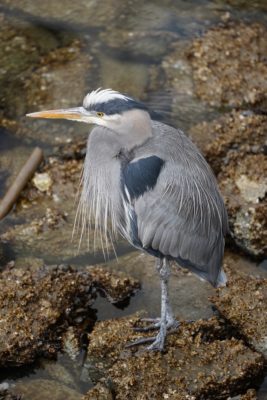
[{"x": 110, "y": 109}]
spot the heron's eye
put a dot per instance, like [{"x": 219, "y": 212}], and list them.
[{"x": 100, "y": 114}]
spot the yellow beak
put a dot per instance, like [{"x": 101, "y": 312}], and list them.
[{"x": 75, "y": 114}]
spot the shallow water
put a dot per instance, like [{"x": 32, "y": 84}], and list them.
[{"x": 118, "y": 44}]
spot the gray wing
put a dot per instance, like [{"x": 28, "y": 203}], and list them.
[{"x": 183, "y": 215}]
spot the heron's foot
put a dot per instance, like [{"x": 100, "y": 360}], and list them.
[
  {"x": 156, "y": 345},
  {"x": 155, "y": 324}
]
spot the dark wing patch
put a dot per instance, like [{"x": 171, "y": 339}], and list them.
[{"x": 140, "y": 176}]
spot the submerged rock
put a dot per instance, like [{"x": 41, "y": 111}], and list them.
[
  {"x": 135, "y": 44},
  {"x": 43, "y": 389},
  {"x": 126, "y": 76},
  {"x": 38, "y": 68},
  {"x": 186, "y": 107},
  {"x": 81, "y": 15},
  {"x": 59, "y": 373},
  {"x": 199, "y": 362},
  {"x": 42, "y": 223},
  {"x": 229, "y": 65},
  {"x": 236, "y": 151},
  {"x": 21, "y": 46}
]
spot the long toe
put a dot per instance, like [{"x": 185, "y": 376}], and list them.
[
  {"x": 141, "y": 341},
  {"x": 151, "y": 327},
  {"x": 155, "y": 324},
  {"x": 157, "y": 341},
  {"x": 152, "y": 320},
  {"x": 156, "y": 345}
]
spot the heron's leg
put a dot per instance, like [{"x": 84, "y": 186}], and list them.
[
  {"x": 166, "y": 313},
  {"x": 164, "y": 272},
  {"x": 163, "y": 268}
]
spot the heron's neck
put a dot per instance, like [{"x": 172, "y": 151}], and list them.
[{"x": 134, "y": 128}]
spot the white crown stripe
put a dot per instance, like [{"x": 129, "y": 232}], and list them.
[{"x": 102, "y": 96}]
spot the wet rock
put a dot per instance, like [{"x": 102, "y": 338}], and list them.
[
  {"x": 76, "y": 15},
  {"x": 116, "y": 286},
  {"x": 43, "y": 221},
  {"x": 229, "y": 65},
  {"x": 245, "y": 4},
  {"x": 243, "y": 304},
  {"x": 21, "y": 45},
  {"x": 178, "y": 73},
  {"x": 71, "y": 343},
  {"x": 250, "y": 190},
  {"x": 59, "y": 373},
  {"x": 262, "y": 393},
  {"x": 235, "y": 133},
  {"x": 43, "y": 308},
  {"x": 146, "y": 44},
  {"x": 49, "y": 88},
  {"x": 39, "y": 232},
  {"x": 188, "y": 295},
  {"x": 34, "y": 305},
  {"x": 235, "y": 146},
  {"x": 178, "y": 70},
  {"x": 99, "y": 392},
  {"x": 146, "y": 37},
  {"x": 245, "y": 266},
  {"x": 249, "y": 395},
  {"x": 126, "y": 76},
  {"x": 43, "y": 389},
  {"x": 38, "y": 69},
  {"x": 58, "y": 71},
  {"x": 42, "y": 182},
  {"x": 198, "y": 362},
  {"x": 11, "y": 160},
  {"x": 6, "y": 395}
]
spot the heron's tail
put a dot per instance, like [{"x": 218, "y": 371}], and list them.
[{"x": 222, "y": 279}]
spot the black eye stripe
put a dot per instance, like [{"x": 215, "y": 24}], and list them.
[{"x": 116, "y": 106}]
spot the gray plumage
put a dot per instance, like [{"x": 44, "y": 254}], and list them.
[
  {"x": 183, "y": 216},
  {"x": 148, "y": 182}
]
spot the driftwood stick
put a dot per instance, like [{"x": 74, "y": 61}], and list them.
[{"x": 19, "y": 183}]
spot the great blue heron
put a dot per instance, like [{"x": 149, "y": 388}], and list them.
[{"x": 147, "y": 181}]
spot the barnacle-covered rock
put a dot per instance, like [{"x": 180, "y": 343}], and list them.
[
  {"x": 243, "y": 304},
  {"x": 34, "y": 304},
  {"x": 229, "y": 64},
  {"x": 236, "y": 150},
  {"x": 198, "y": 362}
]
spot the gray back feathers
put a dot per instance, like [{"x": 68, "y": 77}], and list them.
[{"x": 181, "y": 215}]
